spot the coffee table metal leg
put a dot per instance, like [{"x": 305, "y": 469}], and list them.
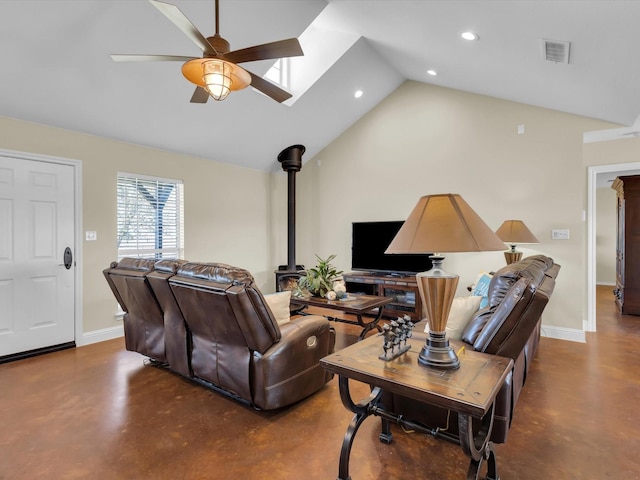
[
  {"x": 478, "y": 447},
  {"x": 362, "y": 410},
  {"x": 474, "y": 471},
  {"x": 385, "y": 434},
  {"x": 367, "y": 327}
]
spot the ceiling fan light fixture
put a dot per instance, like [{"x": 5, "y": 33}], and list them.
[
  {"x": 217, "y": 79},
  {"x": 217, "y": 76},
  {"x": 217, "y": 72}
]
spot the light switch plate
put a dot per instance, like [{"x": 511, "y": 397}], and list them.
[
  {"x": 90, "y": 236},
  {"x": 560, "y": 234}
]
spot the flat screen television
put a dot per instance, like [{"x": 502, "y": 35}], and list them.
[{"x": 369, "y": 241}]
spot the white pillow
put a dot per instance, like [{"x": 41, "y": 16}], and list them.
[
  {"x": 462, "y": 310},
  {"x": 279, "y": 304}
]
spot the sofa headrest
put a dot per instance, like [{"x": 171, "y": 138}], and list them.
[
  {"x": 225, "y": 301},
  {"x": 216, "y": 272},
  {"x": 533, "y": 268},
  {"x": 506, "y": 330},
  {"x": 168, "y": 265},
  {"x": 139, "y": 264}
]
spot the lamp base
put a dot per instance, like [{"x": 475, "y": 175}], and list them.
[
  {"x": 512, "y": 256},
  {"x": 437, "y": 352}
]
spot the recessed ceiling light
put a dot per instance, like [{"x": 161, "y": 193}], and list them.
[
  {"x": 469, "y": 36},
  {"x": 432, "y": 72},
  {"x": 358, "y": 93}
]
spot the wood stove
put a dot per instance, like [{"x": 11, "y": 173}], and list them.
[{"x": 287, "y": 275}]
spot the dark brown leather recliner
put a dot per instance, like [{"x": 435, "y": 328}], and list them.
[
  {"x": 177, "y": 337},
  {"x": 510, "y": 327},
  {"x": 219, "y": 331},
  {"x": 143, "y": 319}
]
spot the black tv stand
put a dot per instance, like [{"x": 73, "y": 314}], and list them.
[{"x": 402, "y": 287}]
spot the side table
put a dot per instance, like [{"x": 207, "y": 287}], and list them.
[{"x": 470, "y": 391}]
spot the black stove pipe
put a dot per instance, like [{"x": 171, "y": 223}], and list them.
[{"x": 291, "y": 160}]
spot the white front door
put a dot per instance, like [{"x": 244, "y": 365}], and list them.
[{"x": 37, "y": 290}]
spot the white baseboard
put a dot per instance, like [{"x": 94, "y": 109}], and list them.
[
  {"x": 101, "y": 335},
  {"x": 104, "y": 334},
  {"x": 605, "y": 284},
  {"x": 563, "y": 333}
]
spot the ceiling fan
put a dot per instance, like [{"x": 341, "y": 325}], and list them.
[{"x": 217, "y": 72}]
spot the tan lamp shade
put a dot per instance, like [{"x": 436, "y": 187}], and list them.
[
  {"x": 444, "y": 223},
  {"x": 441, "y": 223},
  {"x": 513, "y": 232}
]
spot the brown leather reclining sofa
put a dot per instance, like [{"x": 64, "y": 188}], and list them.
[
  {"x": 210, "y": 323},
  {"x": 510, "y": 327}
]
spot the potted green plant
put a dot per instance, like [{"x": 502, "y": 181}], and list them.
[{"x": 319, "y": 280}]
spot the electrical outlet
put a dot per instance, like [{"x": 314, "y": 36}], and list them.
[{"x": 560, "y": 234}]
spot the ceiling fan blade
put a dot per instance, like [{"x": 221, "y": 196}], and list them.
[
  {"x": 269, "y": 89},
  {"x": 282, "y": 48},
  {"x": 200, "y": 95},
  {"x": 174, "y": 14},
  {"x": 149, "y": 58}
]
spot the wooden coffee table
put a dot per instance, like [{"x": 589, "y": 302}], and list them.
[
  {"x": 470, "y": 391},
  {"x": 357, "y": 305}
]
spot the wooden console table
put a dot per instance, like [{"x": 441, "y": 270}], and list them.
[
  {"x": 356, "y": 305},
  {"x": 470, "y": 391}
]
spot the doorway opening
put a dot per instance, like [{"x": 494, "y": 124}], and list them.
[{"x": 596, "y": 175}]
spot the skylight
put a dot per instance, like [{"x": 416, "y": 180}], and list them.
[
  {"x": 323, "y": 45},
  {"x": 279, "y": 73}
]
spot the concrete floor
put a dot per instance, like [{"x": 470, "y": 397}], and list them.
[{"x": 98, "y": 412}]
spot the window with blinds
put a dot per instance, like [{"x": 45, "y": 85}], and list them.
[{"x": 150, "y": 217}]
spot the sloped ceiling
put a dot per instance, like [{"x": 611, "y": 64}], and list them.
[{"x": 56, "y": 70}]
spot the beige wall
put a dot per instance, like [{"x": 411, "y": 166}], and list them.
[
  {"x": 425, "y": 139},
  {"x": 625, "y": 150},
  {"x": 226, "y": 207},
  {"x": 606, "y": 219},
  {"x": 421, "y": 139}
]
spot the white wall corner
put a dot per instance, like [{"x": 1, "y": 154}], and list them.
[
  {"x": 101, "y": 335},
  {"x": 587, "y": 327},
  {"x": 563, "y": 333}
]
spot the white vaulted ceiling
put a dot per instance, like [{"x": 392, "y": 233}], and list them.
[{"x": 55, "y": 67}]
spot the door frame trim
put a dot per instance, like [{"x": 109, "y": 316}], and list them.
[
  {"x": 592, "y": 176},
  {"x": 77, "y": 220}
]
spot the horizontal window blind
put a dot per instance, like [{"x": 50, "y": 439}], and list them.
[{"x": 150, "y": 217}]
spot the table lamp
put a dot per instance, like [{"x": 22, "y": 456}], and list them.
[
  {"x": 441, "y": 223},
  {"x": 512, "y": 232}
]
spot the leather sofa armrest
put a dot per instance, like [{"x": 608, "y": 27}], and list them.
[
  {"x": 291, "y": 367},
  {"x": 305, "y": 340}
]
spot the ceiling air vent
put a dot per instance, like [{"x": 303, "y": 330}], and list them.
[{"x": 556, "y": 51}]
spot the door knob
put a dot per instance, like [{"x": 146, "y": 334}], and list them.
[{"x": 68, "y": 258}]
